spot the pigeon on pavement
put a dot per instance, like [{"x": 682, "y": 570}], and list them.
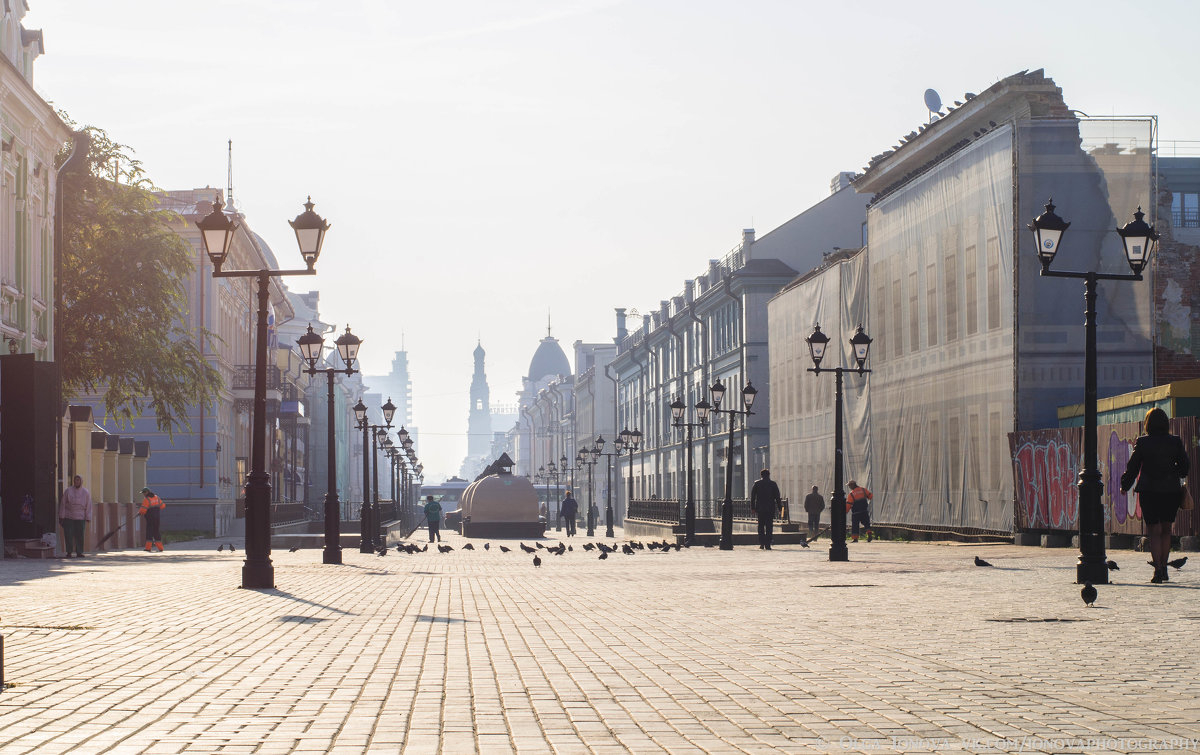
[
  {"x": 527, "y": 549},
  {"x": 1088, "y": 593},
  {"x": 604, "y": 555},
  {"x": 1112, "y": 565},
  {"x": 980, "y": 562},
  {"x": 468, "y": 547},
  {"x": 537, "y": 561},
  {"x": 293, "y": 549},
  {"x": 504, "y": 550},
  {"x": 1178, "y": 563}
]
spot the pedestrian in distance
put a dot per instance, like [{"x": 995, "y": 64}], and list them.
[
  {"x": 814, "y": 504},
  {"x": 74, "y": 512},
  {"x": 151, "y": 509},
  {"x": 1158, "y": 463},
  {"x": 433, "y": 516},
  {"x": 858, "y": 506},
  {"x": 766, "y": 502},
  {"x": 569, "y": 510}
]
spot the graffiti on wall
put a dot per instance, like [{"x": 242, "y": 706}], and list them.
[{"x": 1045, "y": 464}]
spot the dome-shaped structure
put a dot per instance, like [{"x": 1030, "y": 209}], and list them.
[
  {"x": 548, "y": 361},
  {"x": 501, "y": 505}
]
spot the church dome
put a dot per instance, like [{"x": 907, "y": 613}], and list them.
[{"x": 548, "y": 361}]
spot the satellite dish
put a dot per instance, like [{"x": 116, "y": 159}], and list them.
[{"x": 933, "y": 101}]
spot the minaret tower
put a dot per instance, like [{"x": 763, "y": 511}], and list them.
[{"x": 479, "y": 425}]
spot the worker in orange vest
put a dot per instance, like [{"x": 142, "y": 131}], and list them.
[
  {"x": 857, "y": 506},
  {"x": 151, "y": 509}
]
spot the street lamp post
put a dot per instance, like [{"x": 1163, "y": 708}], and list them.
[
  {"x": 689, "y": 510},
  {"x": 817, "y": 342},
  {"x": 557, "y": 473},
  {"x": 748, "y": 394},
  {"x": 633, "y": 442},
  {"x": 216, "y": 233},
  {"x": 1140, "y": 241},
  {"x": 589, "y": 457},
  {"x": 366, "y": 518},
  {"x": 618, "y": 445},
  {"x": 311, "y": 346}
]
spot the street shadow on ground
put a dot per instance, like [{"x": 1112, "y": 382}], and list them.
[
  {"x": 15, "y": 571},
  {"x": 277, "y": 593}
]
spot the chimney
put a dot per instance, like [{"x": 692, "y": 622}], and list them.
[
  {"x": 714, "y": 272},
  {"x": 621, "y": 332},
  {"x": 664, "y": 310},
  {"x": 747, "y": 242},
  {"x": 689, "y": 291}
]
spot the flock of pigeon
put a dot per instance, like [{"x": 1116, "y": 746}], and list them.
[
  {"x": 604, "y": 549},
  {"x": 1089, "y": 593}
]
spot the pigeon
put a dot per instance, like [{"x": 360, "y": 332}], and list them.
[
  {"x": 540, "y": 545},
  {"x": 627, "y": 550},
  {"x": 293, "y": 549},
  {"x": 980, "y": 562},
  {"x": 445, "y": 548},
  {"x": 589, "y": 546},
  {"x": 537, "y": 561},
  {"x": 425, "y": 548},
  {"x": 677, "y": 546},
  {"x": 468, "y": 547},
  {"x": 571, "y": 548},
  {"x": 527, "y": 549},
  {"x": 487, "y": 546},
  {"x": 1088, "y": 593},
  {"x": 221, "y": 548},
  {"x": 803, "y": 543},
  {"x": 1112, "y": 565},
  {"x": 1178, "y": 563},
  {"x": 604, "y": 548},
  {"x": 382, "y": 552},
  {"x": 504, "y": 550},
  {"x": 604, "y": 555}
]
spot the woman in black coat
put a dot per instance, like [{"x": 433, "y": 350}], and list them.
[{"x": 1161, "y": 460}]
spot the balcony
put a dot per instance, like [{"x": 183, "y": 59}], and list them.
[{"x": 243, "y": 386}]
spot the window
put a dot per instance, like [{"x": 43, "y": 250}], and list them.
[
  {"x": 951, "y": 286},
  {"x": 993, "y": 283},
  {"x": 897, "y": 319},
  {"x": 970, "y": 289},
  {"x": 1185, "y": 209},
  {"x": 931, "y": 304},
  {"x": 914, "y": 318}
]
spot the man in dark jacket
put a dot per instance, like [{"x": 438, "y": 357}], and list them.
[
  {"x": 814, "y": 504},
  {"x": 569, "y": 510},
  {"x": 766, "y": 502}
]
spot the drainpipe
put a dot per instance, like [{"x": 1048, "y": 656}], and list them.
[{"x": 691, "y": 310}]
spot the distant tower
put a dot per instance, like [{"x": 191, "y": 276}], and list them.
[{"x": 479, "y": 426}]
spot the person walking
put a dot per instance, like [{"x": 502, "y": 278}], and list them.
[
  {"x": 858, "y": 504},
  {"x": 765, "y": 501},
  {"x": 1158, "y": 462},
  {"x": 433, "y": 516},
  {"x": 74, "y": 512},
  {"x": 814, "y": 504},
  {"x": 569, "y": 510},
  {"x": 151, "y": 509}
]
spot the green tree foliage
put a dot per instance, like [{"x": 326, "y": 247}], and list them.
[{"x": 126, "y": 328}]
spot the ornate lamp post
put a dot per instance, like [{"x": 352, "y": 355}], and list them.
[
  {"x": 689, "y": 510},
  {"x": 598, "y": 450},
  {"x": 216, "y": 233},
  {"x": 589, "y": 457},
  {"x": 368, "y": 519},
  {"x": 552, "y": 470},
  {"x": 311, "y": 346},
  {"x": 1140, "y": 241},
  {"x": 718, "y": 393},
  {"x": 817, "y": 342},
  {"x": 633, "y": 442}
]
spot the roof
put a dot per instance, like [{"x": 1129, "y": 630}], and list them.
[{"x": 548, "y": 361}]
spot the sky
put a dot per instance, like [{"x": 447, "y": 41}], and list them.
[{"x": 491, "y": 165}]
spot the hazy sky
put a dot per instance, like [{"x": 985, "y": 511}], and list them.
[{"x": 486, "y": 162}]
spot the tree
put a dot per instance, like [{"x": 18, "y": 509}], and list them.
[{"x": 125, "y": 303}]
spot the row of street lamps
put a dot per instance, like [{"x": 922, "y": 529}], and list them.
[{"x": 217, "y": 231}]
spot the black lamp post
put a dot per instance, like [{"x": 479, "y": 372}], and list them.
[
  {"x": 589, "y": 457},
  {"x": 1140, "y": 241},
  {"x": 718, "y": 393},
  {"x": 556, "y": 473},
  {"x": 689, "y": 510},
  {"x": 216, "y": 233},
  {"x": 633, "y": 442},
  {"x": 598, "y": 449},
  {"x": 311, "y": 346},
  {"x": 837, "y": 500},
  {"x": 368, "y": 522}
]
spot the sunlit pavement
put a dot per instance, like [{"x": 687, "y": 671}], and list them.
[{"x": 905, "y": 648}]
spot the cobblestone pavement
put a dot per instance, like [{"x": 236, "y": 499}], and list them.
[{"x": 906, "y": 648}]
